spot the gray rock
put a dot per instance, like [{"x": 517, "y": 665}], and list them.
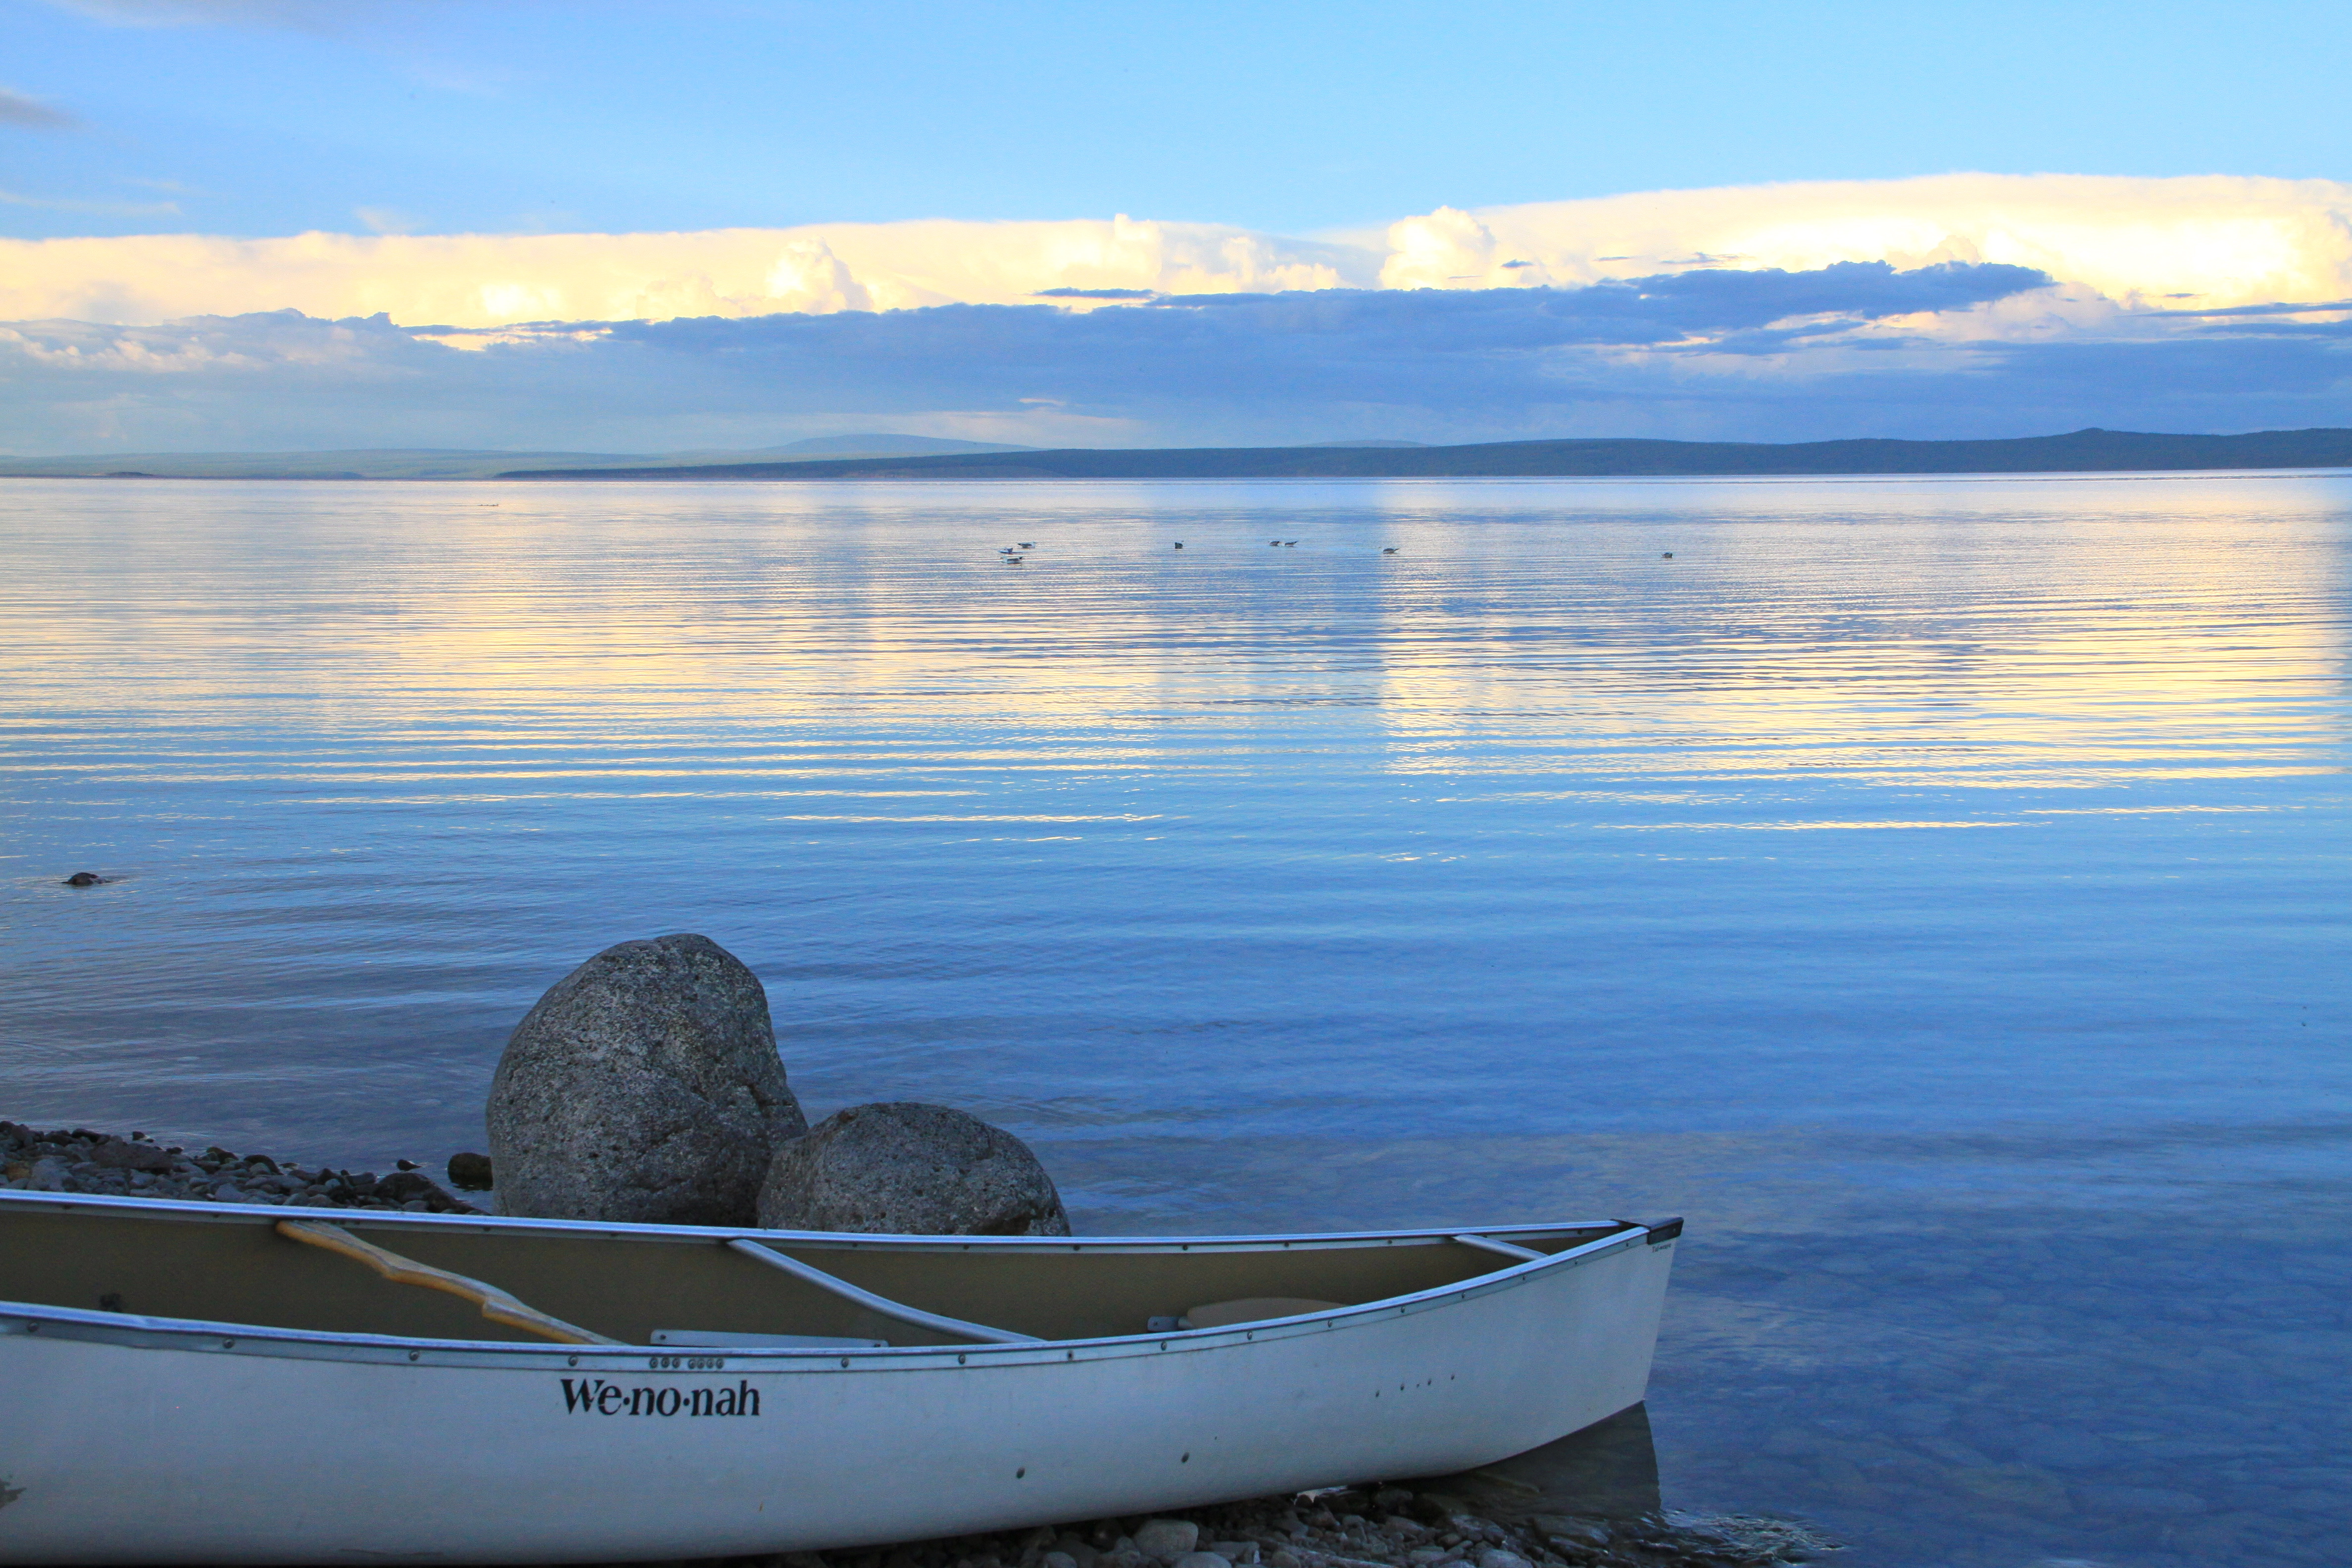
[
  {"x": 1060, "y": 1559},
  {"x": 1201, "y": 1560},
  {"x": 905, "y": 1169},
  {"x": 1557, "y": 1528},
  {"x": 122, "y": 1154},
  {"x": 1167, "y": 1538},
  {"x": 644, "y": 1087},
  {"x": 48, "y": 1175}
]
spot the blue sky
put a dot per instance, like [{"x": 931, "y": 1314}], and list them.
[
  {"x": 519, "y": 196},
  {"x": 261, "y": 118}
]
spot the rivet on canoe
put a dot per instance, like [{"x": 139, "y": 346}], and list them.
[
  {"x": 845, "y": 1361},
  {"x": 1185, "y": 1460},
  {"x": 228, "y": 1344},
  {"x": 959, "y": 1361},
  {"x": 572, "y": 1361},
  {"x": 1018, "y": 1474},
  {"x": 413, "y": 1354}
]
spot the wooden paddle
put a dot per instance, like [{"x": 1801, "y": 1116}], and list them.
[{"x": 496, "y": 1304}]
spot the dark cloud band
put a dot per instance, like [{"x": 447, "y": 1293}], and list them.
[{"x": 1721, "y": 353}]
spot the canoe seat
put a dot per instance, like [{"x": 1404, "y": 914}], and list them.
[{"x": 1255, "y": 1309}]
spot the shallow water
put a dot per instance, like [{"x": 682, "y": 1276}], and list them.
[{"x": 1932, "y": 888}]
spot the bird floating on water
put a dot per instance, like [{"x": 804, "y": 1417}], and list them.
[
  {"x": 1180, "y": 545},
  {"x": 1392, "y": 550},
  {"x": 1028, "y": 545},
  {"x": 1289, "y": 543}
]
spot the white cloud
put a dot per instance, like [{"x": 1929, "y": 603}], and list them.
[
  {"x": 493, "y": 280},
  {"x": 2198, "y": 243},
  {"x": 1957, "y": 306},
  {"x": 2220, "y": 240},
  {"x": 31, "y": 113}
]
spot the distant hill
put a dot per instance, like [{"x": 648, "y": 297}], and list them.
[
  {"x": 402, "y": 463},
  {"x": 2084, "y": 451},
  {"x": 459, "y": 463},
  {"x": 888, "y": 457},
  {"x": 881, "y": 446}
]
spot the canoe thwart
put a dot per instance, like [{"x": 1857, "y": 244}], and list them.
[
  {"x": 883, "y": 1305},
  {"x": 1500, "y": 1249},
  {"x": 496, "y": 1304}
]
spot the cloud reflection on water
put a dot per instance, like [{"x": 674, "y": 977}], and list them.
[{"x": 1313, "y": 888}]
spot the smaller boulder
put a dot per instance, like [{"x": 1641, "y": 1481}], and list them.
[
  {"x": 906, "y": 1169},
  {"x": 470, "y": 1172}
]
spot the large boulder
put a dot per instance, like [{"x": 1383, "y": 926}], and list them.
[
  {"x": 905, "y": 1169},
  {"x": 645, "y": 1087}
]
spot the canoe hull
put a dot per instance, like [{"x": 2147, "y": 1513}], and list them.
[{"x": 159, "y": 1442}]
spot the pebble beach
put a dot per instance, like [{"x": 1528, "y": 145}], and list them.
[{"x": 77, "y": 1159}]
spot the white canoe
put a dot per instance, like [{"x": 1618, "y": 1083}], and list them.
[{"x": 187, "y": 1382}]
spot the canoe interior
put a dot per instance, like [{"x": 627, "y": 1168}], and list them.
[{"x": 156, "y": 1263}]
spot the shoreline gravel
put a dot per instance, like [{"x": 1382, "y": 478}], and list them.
[{"x": 79, "y": 1160}]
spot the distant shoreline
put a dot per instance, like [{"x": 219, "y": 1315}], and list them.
[
  {"x": 2082, "y": 451},
  {"x": 2094, "y": 451}
]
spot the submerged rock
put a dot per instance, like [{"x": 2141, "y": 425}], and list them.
[
  {"x": 905, "y": 1169},
  {"x": 644, "y": 1087},
  {"x": 470, "y": 1172}
]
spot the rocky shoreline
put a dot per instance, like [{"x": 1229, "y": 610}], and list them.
[
  {"x": 77, "y": 1159},
  {"x": 1382, "y": 1527}
]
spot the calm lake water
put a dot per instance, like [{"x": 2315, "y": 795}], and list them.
[{"x": 1935, "y": 889}]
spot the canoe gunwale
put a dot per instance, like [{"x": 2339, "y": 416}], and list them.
[
  {"x": 701, "y": 1235},
  {"x": 207, "y": 1337}
]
